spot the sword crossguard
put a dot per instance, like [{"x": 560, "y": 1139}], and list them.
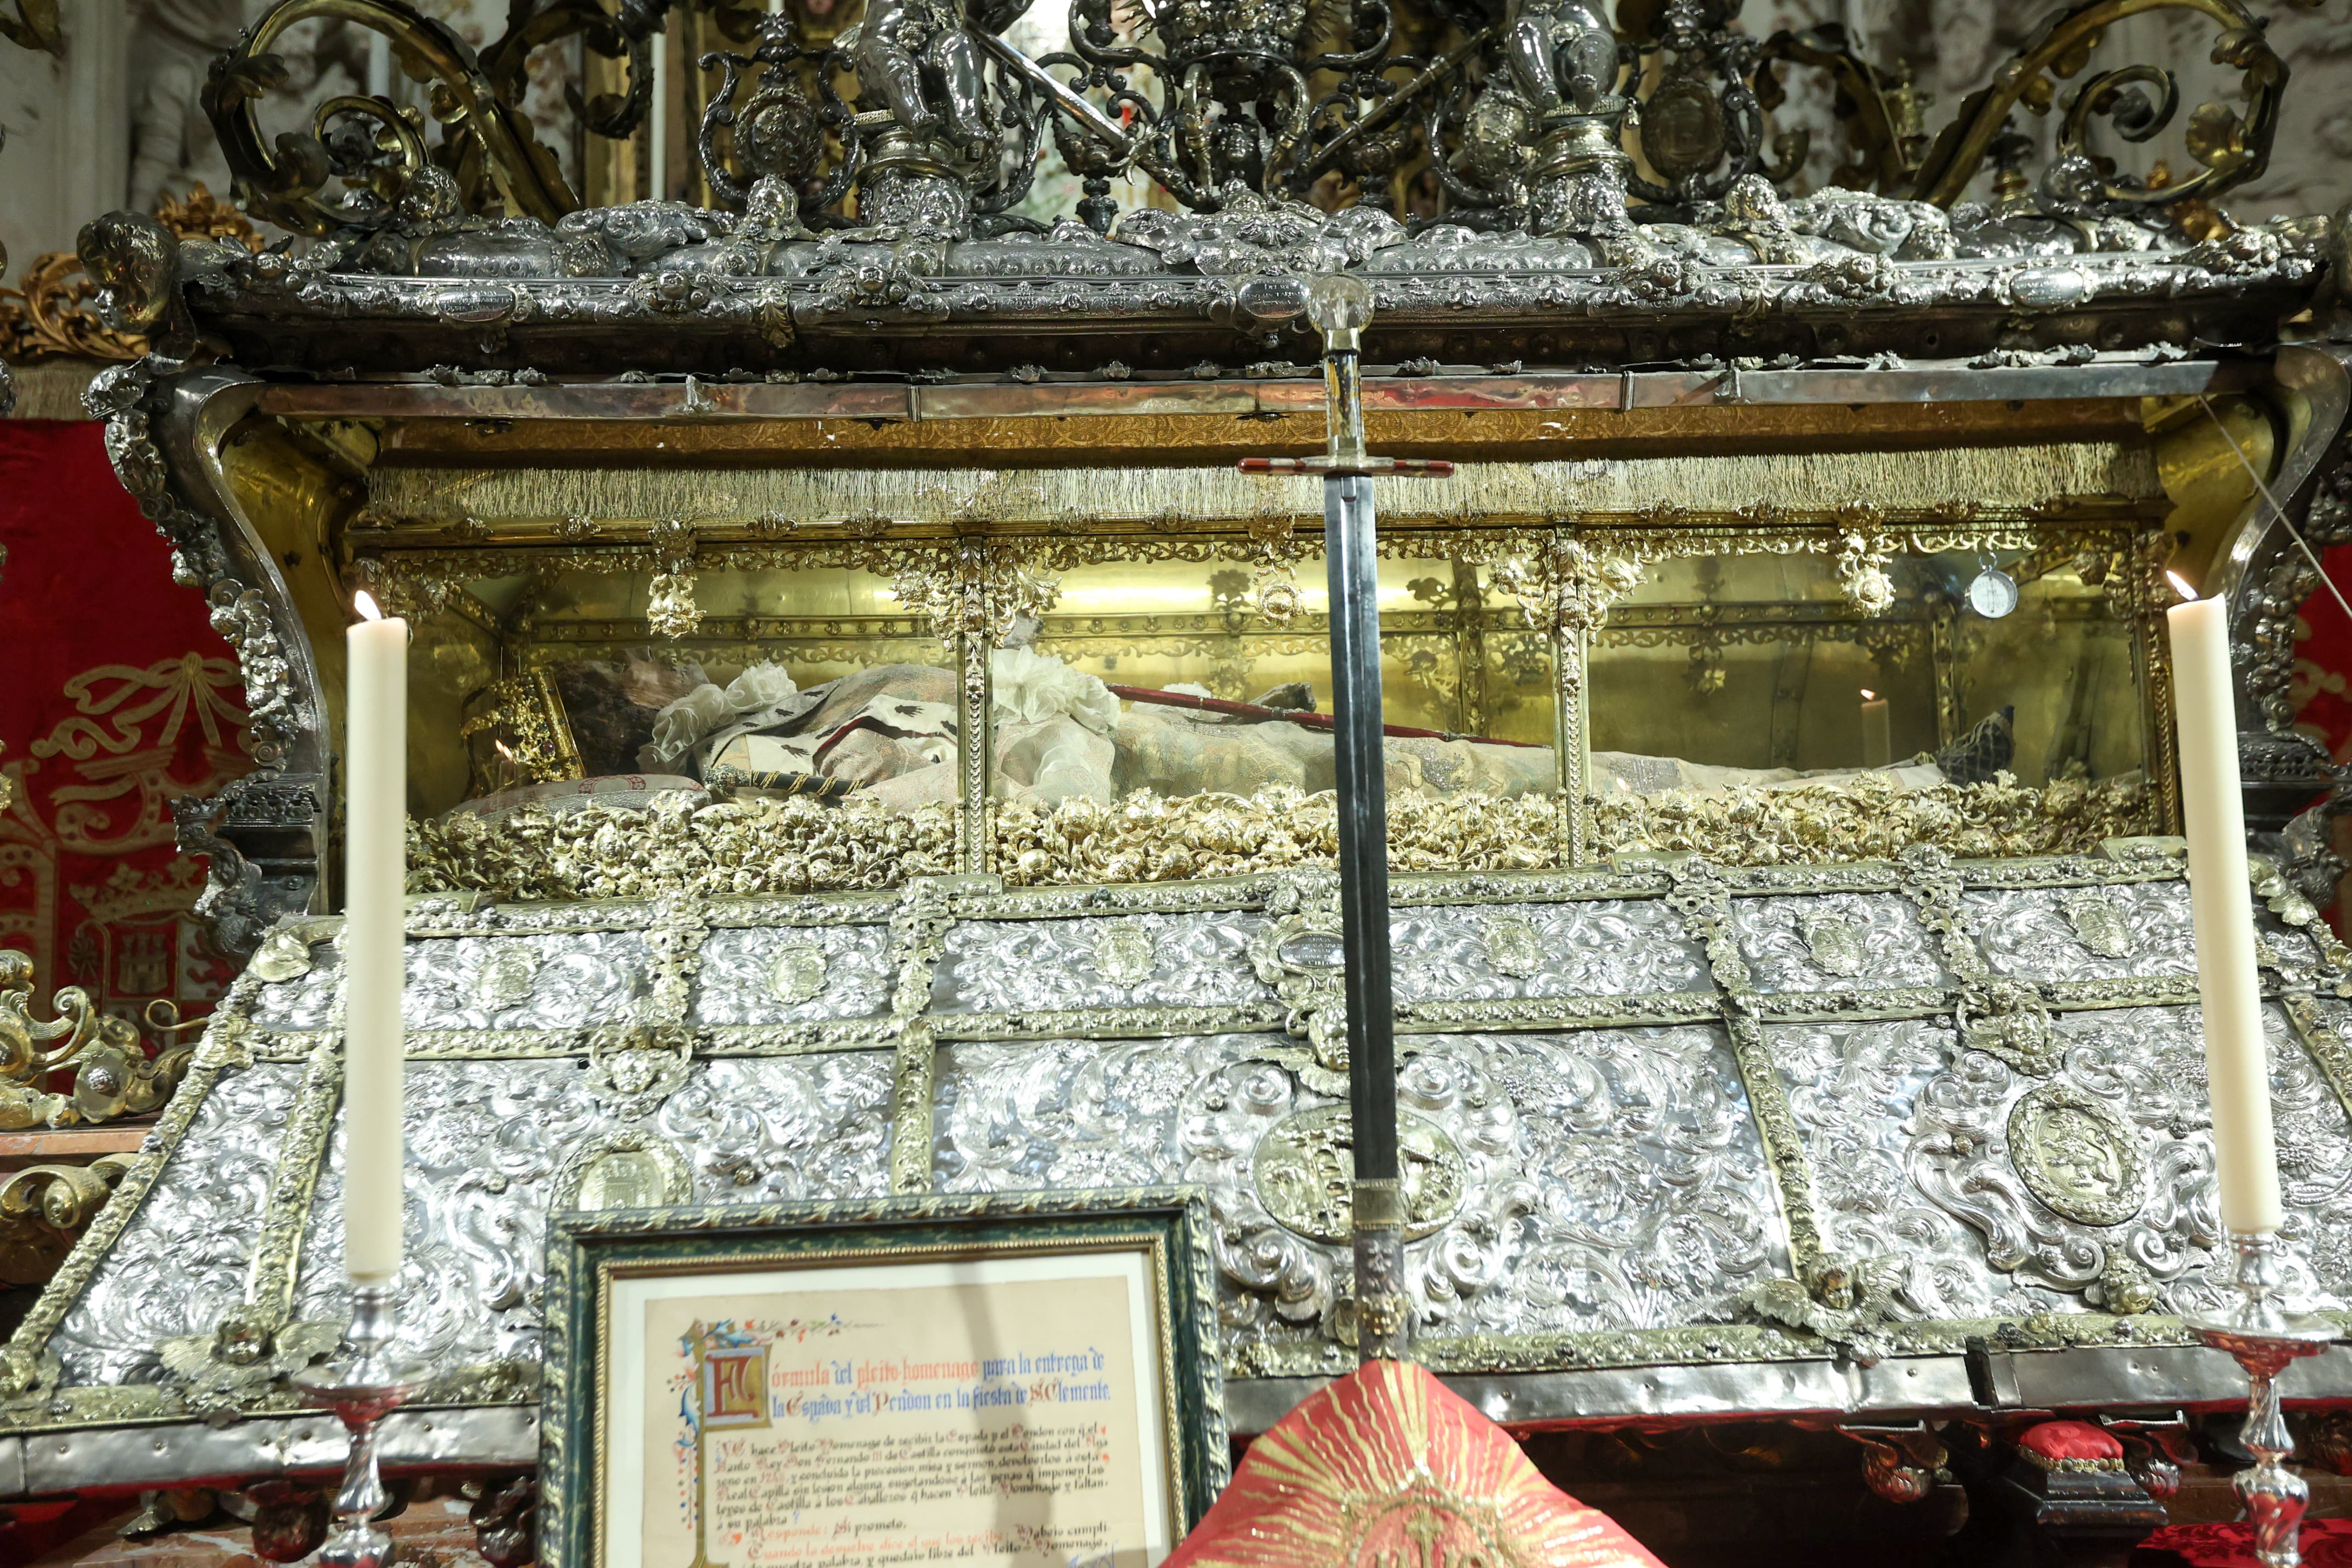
[{"x": 1332, "y": 468}]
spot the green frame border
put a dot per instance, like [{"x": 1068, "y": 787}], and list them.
[{"x": 584, "y": 1247}]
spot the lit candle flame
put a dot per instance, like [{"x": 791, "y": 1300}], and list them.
[
  {"x": 365, "y": 602},
  {"x": 2180, "y": 586},
  {"x": 1868, "y": 695}
]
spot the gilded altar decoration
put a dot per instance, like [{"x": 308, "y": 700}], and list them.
[
  {"x": 874, "y": 733},
  {"x": 114, "y": 1075},
  {"x": 55, "y": 308},
  {"x": 1386, "y": 1467},
  {"x": 44, "y": 1209},
  {"x": 1148, "y": 838},
  {"x": 794, "y": 846},
  {"x": 1873, "y": 817},
  {"x": 804, "y": 845}
]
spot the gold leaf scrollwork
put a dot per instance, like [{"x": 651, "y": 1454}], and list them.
[
  {"x": 2232, "y": 149},
  {"x": 112, "y": 1073},
  {"x": 43, "y": 1208}
]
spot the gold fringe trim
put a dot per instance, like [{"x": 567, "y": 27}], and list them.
[{"x": 1993, "y": 479}]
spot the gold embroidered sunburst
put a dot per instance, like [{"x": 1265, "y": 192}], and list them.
[{"x": 1389, "y": 1469}]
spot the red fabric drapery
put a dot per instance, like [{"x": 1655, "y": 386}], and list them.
[{"x": 118, "y": 696}]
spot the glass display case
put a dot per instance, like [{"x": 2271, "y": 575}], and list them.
[
  {"x": 794, "y": 680},
  {"x": 1206, "y": 682},
  {"x": 1155, "y": 704},
  {"x": 1720, "y": 672}
]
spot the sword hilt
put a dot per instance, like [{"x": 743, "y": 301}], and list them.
[{"x": 1331, "y": 468}]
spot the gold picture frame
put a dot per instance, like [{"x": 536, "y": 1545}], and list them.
[{"x": 1027, "y": 1381}]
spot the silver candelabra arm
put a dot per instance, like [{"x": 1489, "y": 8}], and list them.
[
  {"x": 2263, "y": 1337},
  {"x": 367, "y": 1379}
]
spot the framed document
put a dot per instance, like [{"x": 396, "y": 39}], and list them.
[{"x": 1027, "y": 1381}]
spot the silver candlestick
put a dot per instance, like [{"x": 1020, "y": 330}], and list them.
[
  {"x": 366, "y": 1381},
  {"x": 2263, "y": 1337}
]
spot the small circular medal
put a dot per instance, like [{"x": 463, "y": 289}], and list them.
[{"x": 1992, "y": 594}]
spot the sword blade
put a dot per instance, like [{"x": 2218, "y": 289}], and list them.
[{"x": 1348, "y": 543}]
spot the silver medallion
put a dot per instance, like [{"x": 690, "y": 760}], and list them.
[
  {"x": 796, "y": 973},
  {"x": 2077, "y": 1156},
  {"x": 1304, "y": 1169},
  {"x": 1123, "y": 953},
  {"x": 1514, "y": 947},
  {"x": 506, "y": 977},
  {"x": 1836, "y": 944}
]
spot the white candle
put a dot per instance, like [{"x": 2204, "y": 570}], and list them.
[
  {"x": 2237, "y": 1065},
  {"x": 1877, "y": 742},
  {"x": 375, "y": 828}
]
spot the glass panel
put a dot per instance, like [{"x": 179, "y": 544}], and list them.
[
  {"x": 1729, "y": 671},
  {"x": 799, "y": 682},
  {"x": 2065, "y": 662},
  {"x": 1161, "y": 676}
]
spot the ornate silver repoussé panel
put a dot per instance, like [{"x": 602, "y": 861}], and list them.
[{"x": 1843, "y": 1139}]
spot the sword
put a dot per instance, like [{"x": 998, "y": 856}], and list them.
[{"x": 1341, "y": 307}]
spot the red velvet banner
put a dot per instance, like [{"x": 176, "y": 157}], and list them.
[
  {"x": 118, "y": 697},
  {"x": 2321, "y": 687}
]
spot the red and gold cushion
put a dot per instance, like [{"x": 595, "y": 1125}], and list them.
[
  {"x": 2071, "y": 1445},
  {"x": 1388, "y": 1468}
]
